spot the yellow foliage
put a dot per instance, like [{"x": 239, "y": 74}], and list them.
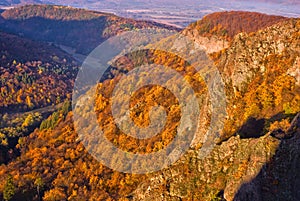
[{"x": 283, "y": 125}]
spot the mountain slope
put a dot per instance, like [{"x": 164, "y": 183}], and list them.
[
  {"x": 76, "y": 28},
  {"x": 34, "y": 76},
  {"x": 227, "y": 24},
  {"x": 215, "y": 31},
  {"x": 263, "y": 91},
  {"x": 25, "y": 66},
  {"x": 17, "y": 48},
  {"x": 262, "y": 85}
]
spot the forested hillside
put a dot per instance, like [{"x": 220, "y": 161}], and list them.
[
  {"x": 228, "y": 24},
  {"x": 76, "y": 28},
  {"x": 35, "y": 79},
  {"x": 255, "y": 157},
  {"x": 36, "y": 75}
]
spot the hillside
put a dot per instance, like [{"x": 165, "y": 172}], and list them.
[
  {"x": 26, "y": 67},
  {"x": 79, "y": 29},
  {"x": 256, "y": 155},
  {"x": 34, "y": 77},
  {"x": 227, "y": 24},
  {"x": 21, "y": 49}
]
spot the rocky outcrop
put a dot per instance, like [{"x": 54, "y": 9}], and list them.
[
  {"x": 248, "y": 53},
  {"x": 226, "y": 168},
  {"x": 249, "y": 169},
  {"x": 242, "y": 169},
  {"x": 279, "y": 179},
  {"x": 209, "y": 44},
  {"x": 294, "y": 71}
]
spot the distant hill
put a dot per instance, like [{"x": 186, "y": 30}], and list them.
[
  {"x": 291, "y": 2},
  {"x": 228, "y": 24},
  {"x": 17, "y": 2},
  {"x": 9, "y": 2},
  {"x": 85, "y": 2},
  {"x": 77, "y": 28},
  {"x": 20, "y": 49}
]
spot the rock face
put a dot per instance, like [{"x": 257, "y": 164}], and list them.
[
  {"x": 264, "y": 167},
  {"x": 247, "y": 54},
  {"x": 280, "y": 178},
  {"x": 242, "y": 169},
  {"x": 226, "y": 168},
  {"x": 295, "y": 71},
  {"x": 210, "y": 45}
]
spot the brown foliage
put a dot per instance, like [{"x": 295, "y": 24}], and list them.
[{"x": 228, "y": 24}]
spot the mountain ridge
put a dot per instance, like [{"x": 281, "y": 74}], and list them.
[
  {"x": 259, "y": 68},
  {"x": 227, "y": 24},
  {"x": 80, "y": 29}
]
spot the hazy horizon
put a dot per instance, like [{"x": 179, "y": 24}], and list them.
[{"x": 175, "y": 12}]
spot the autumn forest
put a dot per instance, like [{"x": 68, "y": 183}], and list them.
[{"x": 255, "y": 155}]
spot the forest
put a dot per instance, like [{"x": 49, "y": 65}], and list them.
[{"x": 43, "y": 158}]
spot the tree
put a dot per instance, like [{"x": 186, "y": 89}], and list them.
[
  {"x": 44, "y": 125},
  {"x": 66, "y": 107},
  {"x": 55, "y": 194},
  {"x": 39, "y": 186},
  {"x": 28, "y": 102},
  {"x": 3, "y": 139},
  {"x": 28, "y": 121},
  {"x": 9, "y": 189},
  {"x": 19, "y": 98}
]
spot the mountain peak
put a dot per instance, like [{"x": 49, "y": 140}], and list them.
[{"x": 229, "y": 23}]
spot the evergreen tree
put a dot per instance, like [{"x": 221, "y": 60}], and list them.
[{"x": 9, "y": 189}]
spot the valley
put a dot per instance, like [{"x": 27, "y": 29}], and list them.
[{"x": 253, "y": 157}]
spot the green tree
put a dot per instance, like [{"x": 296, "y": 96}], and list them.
[
  {"x": 9, "y": 189},
  {"x": 66, "y": 107},
  {"x": 29, "y": 120},
  {"x": 39, "y": 186},
  {"x": 44, "y": 125}
]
